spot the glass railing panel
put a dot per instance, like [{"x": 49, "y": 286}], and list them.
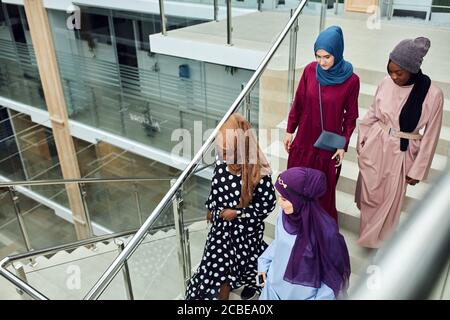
[
  {"x": 68, "y": 274},
  {"x": 154, "y": 268},
  {"x": 45, "y": 226},
  {"x": 29, "y": 153},
  {"x": 11, "y": 239},
  {"x": 121, "y": 206},
  {"x": 27, "y": 224},
  {"x": 46, "y": 216},
  {"x": 265, "y": 5},
  {"x": 275, "y": 89},
  {"x": 51, "y": 194}
]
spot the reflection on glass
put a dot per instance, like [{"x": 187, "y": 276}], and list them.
[
  {"x": 19, "y": 76},
  {"x": 121, "y": 87}
]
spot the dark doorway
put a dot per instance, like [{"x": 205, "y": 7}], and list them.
[
  {"x": 15, "y": 20},
  {"x": 125, "y": 42}
]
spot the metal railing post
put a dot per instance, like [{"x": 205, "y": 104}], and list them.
[
  {"x": 162, "y": 16},
  {"x": 126, "y": 273},
  {"x": 336, "y": 7},
  {"x": 390, "y": 9},
  {"x": 216, "y": 10},
  {"x": 247, "y": 104},
  {"x": 323, "y": 15},
  {"x": 292, "y": 62},
  {"x": 177, "y": 204},
  {"x": 23, "y": 230},
  {"x": 83, "y": 192},
  {"x": 94, "y": 107},
  {"x": 444, "y": 286},
  {"x": 138, "y": 203},
  {"x": 229, "y": 24},
  {"x": 20, "y": 273},
  {"x": 260, "y": 5}
]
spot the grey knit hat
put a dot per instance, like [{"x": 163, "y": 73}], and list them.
[{"x": 409, "y": 53}]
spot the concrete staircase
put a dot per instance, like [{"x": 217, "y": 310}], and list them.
[{"x": 349, "y": 215}]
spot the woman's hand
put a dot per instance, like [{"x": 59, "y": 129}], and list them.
[
  {"x": 411, "y": 181},
  {"x": 263, "y": 274},
  {"x": 209, "y": 216},
  {"x": 287, "y": 141},
  {"x": 339, "y": 156},
  {"x": 228, "y": 214}
]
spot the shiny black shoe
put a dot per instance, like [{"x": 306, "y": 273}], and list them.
[{"x": 248, "y": 293}]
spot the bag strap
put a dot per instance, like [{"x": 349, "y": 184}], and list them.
[{"x": 320, "y": 103}]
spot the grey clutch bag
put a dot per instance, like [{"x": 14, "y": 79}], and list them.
[{"x": 327, "y": 140}]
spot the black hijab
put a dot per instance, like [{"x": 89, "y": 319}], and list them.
[{"x": 412, "y": 110}]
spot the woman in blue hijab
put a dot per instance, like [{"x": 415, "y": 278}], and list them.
[
  {"x": 330, "y": 46},
  {"x": 330, "y": 80}
]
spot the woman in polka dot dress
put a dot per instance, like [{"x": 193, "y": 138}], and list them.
[{"x": 241, "y": 197}]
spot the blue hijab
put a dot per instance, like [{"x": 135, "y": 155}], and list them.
[{"x": 332, "y": 41}]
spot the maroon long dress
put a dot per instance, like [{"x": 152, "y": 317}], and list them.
[{"x": 340, "y": 111}]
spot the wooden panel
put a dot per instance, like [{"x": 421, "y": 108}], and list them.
[
  {"x": 41, "y": 36},
  {"x": 360, "y": 5}
]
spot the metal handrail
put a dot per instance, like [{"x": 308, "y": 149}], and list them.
[
  {"x": 31, "y": 291},
  {"x": 114, "y": 268},
  {"x": 67, "y": 246},
  {"x": 82, "y": 180}
]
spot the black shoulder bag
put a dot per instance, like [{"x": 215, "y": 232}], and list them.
[{"x": 327, "y": 140}]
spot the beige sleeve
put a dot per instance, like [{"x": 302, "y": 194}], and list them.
[
  {"x": 422, "y": 163},
  {"x": 366, "y": 123}
]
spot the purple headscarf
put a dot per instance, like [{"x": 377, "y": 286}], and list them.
[{"x": 319, "y": 253}]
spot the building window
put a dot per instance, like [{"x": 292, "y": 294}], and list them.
[{"x": 94, "y": 27}]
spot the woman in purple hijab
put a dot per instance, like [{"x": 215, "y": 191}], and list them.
[{"x": 308, "y": 258}]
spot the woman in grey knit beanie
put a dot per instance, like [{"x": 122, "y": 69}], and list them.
[
  {"x": 409, "y": 53},
  {"x": 392, "y": 152},
  {"x": 406, "y": 59}
]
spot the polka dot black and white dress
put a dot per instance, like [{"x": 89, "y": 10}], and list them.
[{"x": 232, "y": 247}]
